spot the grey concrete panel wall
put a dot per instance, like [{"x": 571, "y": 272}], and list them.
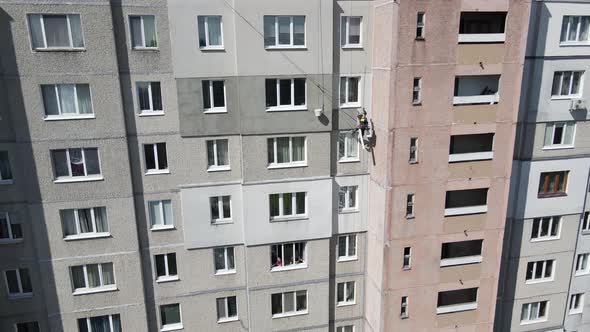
[
  {"x": 353, "y": 310},
  {"x": 555, "y": 312},
  {"x": 353, "y": 61},
  {"x": 534, "y": 135},
  {"x": 25, "y": 305},
  {"x": 132, "y": 317},
  {"x": 159, "y": 237},
  {"x": 354, "y": 221},
  {"x": 344, "y": 168},
  {"x": 350, "y": 267},
  {"x": 193, "y": 122},
  {"x": 15, "y": 192}
]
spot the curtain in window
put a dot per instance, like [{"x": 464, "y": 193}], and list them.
[
  {"x": 49, "y": 100},
  {"x": 214, "y": 30},
  {"x": 565, "y": 83},
  {"x": 353, "y": 90},
  {"x": 100, "y": 324},
  {"x": 301, "y": 300},
  {"x": 219, "y": 257},
  {"x": 222, "y": 151},
  {"x": 136, "y": 38},
  {"x": 67, "y": 98},
  {"x": 69, "y": 222},
  {"x": 214, "y": 203},
  {"x": 584, "y": 28},
  {"x": 298, "y": 30},
  {"x": 350, "y": 291},
  {"x": 201, "y": 27},
  {"x": 226, "y": 207},
  {"x": 78, "y": 277},
  {"x": 108, "y": 276},
  {"x": 556, "y": 81},
  {"x": 230, "y": 258},
  {"x": 352, "y": 196},
  {"x": 84, "y": 104},
  {"x": 352, "y": 245},
  {"x": 548, "y": 134},
  {"x": 156, "y": 96},
  {"x": 221, "y": 308},
  {"x": 76, "y": 29},
  {"x": 143, "y": 95},
  {"x": 116, "y": 323},
  {"x": 269, "y": 31},
  {"x": 354, "y": 30},
  {"x": 155, "y": 215},
  {"x": 342, "y": 90},
  {"x": 298, "y": 148},
  {"x": 573, "y": 27},
  {"x": 569, "y": 133},
  {"x": 287, "y": 204},
  {"x": 56, "y": 30},
  {"x": 341, "y": 145},
  {"x": 284, "y": 30},
  {"x": 36, "y": 31},
  {"x": 352, "y": 146},
  {"x": 85, "y": 217},
  {"x": 211, "y": 153},
  {"x": 100, "y": 216},
  {"x": 289, "y": 301},
  {"x": 167, "y": 205},
  {"x": 93, "y": 275},
  {"x": 149, "y": 28},
  {"x": 92, "y": 164},
  {"x": 282, "y": 150},
  {"x": 76, "y": 164}
]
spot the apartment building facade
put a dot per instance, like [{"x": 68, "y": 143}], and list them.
[
  {"x": 183, "y": 165},
  {"x": 545, "y": 264},
  {"x": 446, "y": 82}
]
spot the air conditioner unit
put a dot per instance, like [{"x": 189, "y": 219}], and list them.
[
  {"x": 578, "y": 104},
  {"x": 318, "y": 112}
]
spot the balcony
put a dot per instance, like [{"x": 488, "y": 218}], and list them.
[
  {"x": 476, "y": 90},
  {"x": 471, "y": 147},
  {"x": 461, "y": 253},
  {"x": 482, "y": 27},
  {"x": 456, "y": 300},
  {"x": 469, "y": 201}
]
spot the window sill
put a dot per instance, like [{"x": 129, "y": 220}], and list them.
[
  {"x": 160, "y": 280},
  {"x": 551, "y": 195},
  {"x": 528, "y": 322},
  {"x": 410, "y": 216},
  {"x": 285, "y": 48},
  {"x": 477, "y": 99},
  {"x": 456, "y": 308},
  {"x": 348, "y": 211},
  {"x": 224, "y": 273},
  {"x": 162, "y": 228},
  {"x": 280, "y": 219},
  {"x": 157, "y": 172},
  {"x": 404, "y": 316},
  {"x": 218, "y": 169},
  {"x": 413, "y": 162},
  {"x": 566, "y": 44},
  {"x": 287, "y": 108},
  {"x": 575, "y": 312},
  {"x": 461, "y": 261},
  {"x": 214, "y": 110},
  {"x": 145, "y": 49},
  {"x": 60, "y": 49},
  {"x": 151, "y": 113},
  {"x": 95, "y": 290},
  {"x": 10, "y": 241},
  {"x": 287, "y": 165},
  {"x": 459, "y": 211},
  {"x": 583, "y": 273},
  {"x": 227, "y": 320},
  {"x": 558, "y": 147},
  {"x": 221, "y": 222},
  {"x": 290, "y": 314},
  {"x": 6, "y": 182},
  {"x": 553, "y": 238},
  {"x": 349, "y": 160},
  {"x": 345, "y": 304},
  {"x": 219, "y": 48},
  {"x": 406, "y": 268},
  {"x": 477, "y": 38},
  {"x": 79, "y": 179},
  {"x": 350, "y": 105},
  {"x": 289, "y": 268},
  {"x": 585, "y": 232},
  {"x": 352, "y": 47},
  {"x": 87, "y": 236},
  {"x": 538, "y": 281},
  {"x": 568, "y": 97},
  {"x": 20, "y": 296},
  {"x": 172, "y": 327},
  {"x": 474, "y": 156},
  {"x": 69, "y": 117},
  {"x": 347, "y": 259}
]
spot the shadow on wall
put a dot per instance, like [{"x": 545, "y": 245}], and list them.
[{"x": 44, "y": 302}]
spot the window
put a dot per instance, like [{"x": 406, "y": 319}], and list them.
[
  {"x": 345, "y": 293},
  {"x": 407, "y": 262},
  {"x": 56, "y": 31},
  {"x": 413, "y": 150},
  {"x": 161, "y": 214},
  {"x": 80, "y": 163},
  {"x": 5, "y": 169},
  {"x": 284, "y": 31},
  {"x": 220, "y": 209},
  {"x": 552, "y": 184},
  {"x": 347, "y": 328},
  {"x": 534, "y": 312},
  {"x": 108, "y": 323},
  {"x": 347, "y": 247},
  {"x": 574, "y": 29},
  {"x": 468, "y": 201},
  {"x": 287, "y": 151},
  {"x": 171, "y": 317},
  {"x": 10, "y": 230},
  {"x": 285, "y": 94},
  {"x": 289, "y": 303},
  {"x": 347, "y": 198},
  {"x": 546, "y": 228},
  {"x": 150, "y": 98},
  {"x": 540, "y": 271},
  {"x": 559, "y": 134},
  {"x": 350, "y": 32},
  {"x": 287, "y": 255},
  {"x": 461, "y": 253},
  {"x": 18, "y": 283},
  {"x": 457, "y": 300},
  {"x": 166, "y": 267},
  {"x": 471, "y": 147},
  {"x": 227, "y": 309},
  {"x": 30, "y": 327},
  {"x": 350, "y": 91},
  {"x": 576, "y": 305},
  {"x": 143, "y": 32},
  {"x": 410, "y": 206},
  {"x": 93, "y": 278},
  {"x": 67, "y": 101},
  {"x": 214, "y": 96},
  {"x": 420, "y": 25},
  {"x": 567, "y": 84},
  {"x": 403, "y": 312},
  {"x": 348, "y": 147},
  {"x": 417, "y": 91},
  {"x": 224, "y": 260},
  {"x": 156, "y": 161},
  {"x": 585, "y": 223},
  {"x": 217, "y": 155},
  {"x": 210, "y": 32},
  {"x": 287, "y": 205},
  {"x": 582, "y": 266},
  {"x": 84, "y": 223}
]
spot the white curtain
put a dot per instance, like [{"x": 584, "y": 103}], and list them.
[
  {"x": 214, "y": 25},
  {"x": 108, "y": 276},
  {"x": 222, "y": 151},
  {"x": 282, "y": 150},
  {"x": 269, "y": 31},
  {"x": 56, "y": 30},
  {"x": 155, "y": 216},
  {"x": 299, "y": 30},
  {"x": 84, "y": 103},
  {"x": 76, "y": 164},
  {"x": 549, "y": 134},
  {"x": 100, "y": 215},
  {"x": 67, "y": 98},
  {"x": 298, "y": 148},
  {"x": 100, "y": 324},
  {"x": 93, "y": 275},
  {"x": 221, "y": 308},
  {"x": 149, "y": 28},
  {"x": 76, "y": 28},
  {"x": 284, "y": 30},
  {"x": 167, "y": 205},
  {"x": 289, "y": 302},
  {"x": 201, "y": 27},
  {"x": 36, "y": 31},
  {"x": 85, "y": 217}
]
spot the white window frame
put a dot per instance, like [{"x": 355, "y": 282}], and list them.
[
  {"x": 570, "y": 95},
  {"x": 20, "y": 294},
  {"x": 226, "y": 269},
  {"x": 34, "y": 323},
  {"x": 565, "y": 125},
  {"x": 69, "y": 26},
  {"x": 87, "y": 289},
  {"x": 347, "y": 242},
  {"x": 417, "y": 88},
  {"x": 222, "y": 218},
  {"x": 543, "y": 266},
  {"x": 151, "y": 111},
  {"x": 86, "y": 177},
  {"x": 208, "y": 46},
  {"x": 291, "y": 163},
  {"x": 88, "y": 235},
  {"x": 216, "y": 167},
  {"x": 174, "y": 326},
  {"x": 9, "y": 222},
  {"x": 347, "y": 103},
  {"x": 347, "y": 141},
  {"x": 156, "y": 227},
  {"x": 227, "y": 318},
  {"x": 548, "y": 237},
  {"x": 294, "y": 312},
  {"x": 404, "y": 311},
  {"x": 111, "y": 324},
  {"x": 68, "y": 116},
  {"x": 6, "y": 181},
  {"x": 413, "y": 145},
  {"x": 292, "y": 106},
  {"x": 539, "y": 319},
  {"x": 293, "y": 266},
  {"x": 294, "y": 215},
  {"x": 344, "y": 328},
  {"x": 410, "y": 206},
  {"x": 586, "y": 223},
  {"x": 167, "y": 276},
  {"x": 346, "y": 32},
  {"x": 580, "y": 259},
  {"x": 407, "y": 257},
  {"x": 345, "y": 290},
  {"x": 579, "y": 298},
  {"x": 421, "y": 24},
  {"x": 277, "y": 45},
  {"x": 577, "y": 41},
  {"x": 157, "y": 170},
  {"x": 143, "y": 47},
  {"x": 215, "y": 109},
  {"x": 347, "y": 191}
]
